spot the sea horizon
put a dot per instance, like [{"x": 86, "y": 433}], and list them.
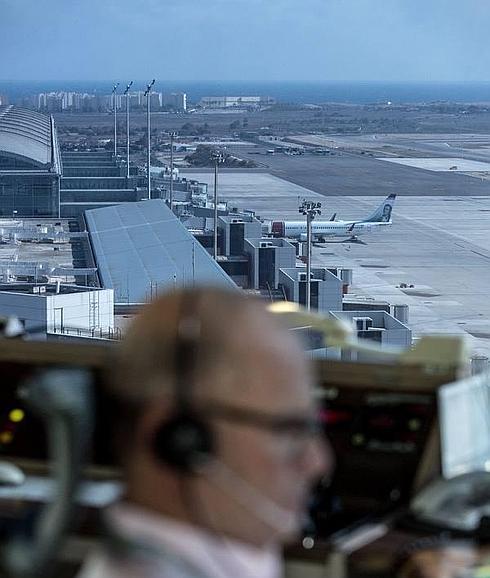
[{"x": 300, "y": 92}]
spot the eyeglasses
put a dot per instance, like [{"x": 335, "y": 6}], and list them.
[
  {"x": 305, "y": 426},
  {"x": 293, "y": 432}
]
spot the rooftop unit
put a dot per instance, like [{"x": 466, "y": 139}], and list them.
[
  {"x": 325, "y": 287},
  {"x": 235, "y": 229},
  {"x": 363, "y": 323},
  {"x": 375, "y": 325},
  {"x": 267, "y": 257}
]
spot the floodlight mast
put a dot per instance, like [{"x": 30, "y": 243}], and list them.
[
  {"x": 171, "y": 200},
  {"x": 126, "y": 92},
  {"x": 218, "y": 158},
  {"x": 310, "y": 209},
  {"x": 114, "y": 100},
  {"x": 148, "y": 94}
]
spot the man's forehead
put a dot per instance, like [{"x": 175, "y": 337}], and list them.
[
  {"x": 260, "y": 338},
  {"x": 268, "y": 375},
  {"x": 266, "y": 326}
]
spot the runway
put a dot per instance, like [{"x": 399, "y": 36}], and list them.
[{"x": 357, "y": 170}]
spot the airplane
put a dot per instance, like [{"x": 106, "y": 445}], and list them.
[{"x": 322, "y": 230}]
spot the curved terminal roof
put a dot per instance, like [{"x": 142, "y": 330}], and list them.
[{"x": 29, "y": 136}]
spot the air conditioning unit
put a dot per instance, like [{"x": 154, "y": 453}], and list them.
[
  {"x": 363, "y": 323},
  {"x": 373, "y": 334}
]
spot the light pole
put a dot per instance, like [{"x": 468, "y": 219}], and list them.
[
  {"x": 172, "y": 136},
  {"x": 147, "y": 94},
  {"x": 126, "y": 92},
  {"x": 217, "y": 158},
  {"x": 114, "y": 100},
  {"x": 311, "y": 210}
]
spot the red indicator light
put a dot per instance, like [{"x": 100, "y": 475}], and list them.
[
  {"x": 382, "y": 421},
  {"x": 333, "y": 417}
]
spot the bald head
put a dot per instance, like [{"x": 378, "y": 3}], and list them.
[{"x": 234, "y": 332}]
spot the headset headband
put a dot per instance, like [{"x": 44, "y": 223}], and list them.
[{"x": 186, "y": 351}]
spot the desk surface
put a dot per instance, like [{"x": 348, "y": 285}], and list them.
[{"x": 454, "y": 559}]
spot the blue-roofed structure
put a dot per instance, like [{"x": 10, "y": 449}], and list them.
[{"x": 142, "y": 248}]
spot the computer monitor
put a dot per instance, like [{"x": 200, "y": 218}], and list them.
[{"x": 464, "y": 414}]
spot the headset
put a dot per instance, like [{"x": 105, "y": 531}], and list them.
[{"x": 185, "y": 441}]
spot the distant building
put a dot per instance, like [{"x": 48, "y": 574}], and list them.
[
  {"x": 95, "y": 102},
  {"x": 136, "y": 99},
  {"x": 175, "y": 100},
  {"x": 155, "y": 100},
  {"x": 56, "y": 308},
  {"x": 54, "y": 102},
  {"x": 235, "y": 101}
]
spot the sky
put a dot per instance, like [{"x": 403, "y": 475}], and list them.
[{"x": 245, "y": 40}]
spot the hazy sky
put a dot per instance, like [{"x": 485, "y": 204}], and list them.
[{"x": 317, "y": 40}]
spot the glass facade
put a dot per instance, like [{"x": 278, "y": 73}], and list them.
[
  {"x": 12, "y": 163},
  {"x": 29, "y": 195},
  {"x": 86, "y": 183},
  {"x": 30, "y": 164}
]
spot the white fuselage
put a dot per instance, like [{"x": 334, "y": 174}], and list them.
[{"x": 325, "y": 229}]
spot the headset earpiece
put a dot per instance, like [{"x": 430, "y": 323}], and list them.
[{"x": 185, "y": 440}]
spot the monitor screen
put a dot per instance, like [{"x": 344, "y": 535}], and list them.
[{"x": 464, "y": 410}]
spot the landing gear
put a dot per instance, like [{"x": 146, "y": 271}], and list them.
[{"x": 354, "y": 239}]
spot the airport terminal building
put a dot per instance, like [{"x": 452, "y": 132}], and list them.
[{"x": 30, "y": 164}]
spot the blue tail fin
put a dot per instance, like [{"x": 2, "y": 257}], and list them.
[{"x": 383, "y": 213}]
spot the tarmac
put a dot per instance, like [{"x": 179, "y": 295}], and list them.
[
  {"x": 355, "y": 169},
  {"x": 443, "y": 164},
  {"x": 438, "y": 244}
]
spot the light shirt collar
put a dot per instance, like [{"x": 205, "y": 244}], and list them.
[{"x": 215, "y": 555}]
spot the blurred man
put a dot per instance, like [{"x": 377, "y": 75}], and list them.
[{"x": 218, "y": 437}]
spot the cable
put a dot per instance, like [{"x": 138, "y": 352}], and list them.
[
  {"x": 246, "y": 495},
  {"x": 63, "y": 398}
]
